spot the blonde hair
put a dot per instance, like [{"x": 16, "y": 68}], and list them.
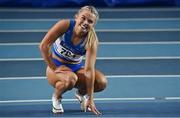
[{"x": 91, "y": 37}]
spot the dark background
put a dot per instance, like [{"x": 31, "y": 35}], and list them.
[{"x": 96, "y": 3}]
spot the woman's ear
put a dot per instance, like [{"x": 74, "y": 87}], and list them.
[{"x": 75, "y": 16}]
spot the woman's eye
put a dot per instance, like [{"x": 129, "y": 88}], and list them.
[
  {"x": 90, "y": 21},
  {"x": 82, "y": 18}
]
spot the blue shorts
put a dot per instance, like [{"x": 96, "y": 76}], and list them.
[{"x": 73, "y": 67}]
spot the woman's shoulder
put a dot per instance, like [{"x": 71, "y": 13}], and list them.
[
  {"x": 64, "y": 21},
  {"x": 67, "y": 22},
  {"x": 62, "y": 24}
]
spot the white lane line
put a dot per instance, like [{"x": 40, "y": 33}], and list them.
[
  {"x": 138, "y": 9},
  {"x": 24, "y": 30},
  {"x": 96, "y": 99},
  {"x": 22, "y": 59},
  {"x": 23, "y": 78},
  {"x": 98, "y": 30},
  {"x": 103, "y": 43},
  {"x": 108, "y": 76},
  {"x": 99, "y": 9},
  {"x": 71, "y": 100},
  {"x": 172, "y": 98},
  {"x": 98, "y": 58},
  {"x": 18, "y": 44},
  {"x": 138, "y": 58},
  {"x": 142, "y": 76},
  {"x": 103, "y": 19},
  {"x": 135, "y": 19},
  {"x": 140, "y": 43}
]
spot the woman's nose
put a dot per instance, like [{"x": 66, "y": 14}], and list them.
[{"x": 85, "y": 22}]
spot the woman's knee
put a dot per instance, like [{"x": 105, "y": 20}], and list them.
[
  {"x": 104, "y": 83},
  {"x": 72, "y": 80},
  {"x": 60, "y": 85},
  {"x": 63, "y": 84},
  {"x": 69, "y": 80},
  {"x": 100, "y": 82}
]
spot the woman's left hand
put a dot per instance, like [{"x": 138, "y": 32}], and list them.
[{"x": 91, "y": 106}]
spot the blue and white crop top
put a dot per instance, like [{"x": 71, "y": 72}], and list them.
[{"x": 64, "y": 48}]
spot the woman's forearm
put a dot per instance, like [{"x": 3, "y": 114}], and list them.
[
  {"x": 90, "y": 75},
  {"x": 45, "y": 51}
]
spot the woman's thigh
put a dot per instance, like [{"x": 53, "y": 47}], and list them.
[{"x": 64, "y": 74}]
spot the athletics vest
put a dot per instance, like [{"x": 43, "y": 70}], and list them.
[{"x": 64, "y": 48}]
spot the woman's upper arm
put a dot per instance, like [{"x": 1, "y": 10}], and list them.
[{"x": 57, "y": 30}]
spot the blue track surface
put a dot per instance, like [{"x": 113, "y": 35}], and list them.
[
  {"x": 104, "y": 13},
  {"x": 105, "y": 50},
  {"x": 125, "y": 25},
  {"x": 138, "y": 52},
  {"x": 109, "y": 36},
  {"x": 116, "y": 109}
]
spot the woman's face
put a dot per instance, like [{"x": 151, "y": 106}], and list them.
[{"x": 84, "y": 21}]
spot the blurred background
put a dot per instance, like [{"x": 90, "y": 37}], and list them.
[{"x": 97, "y": 3}]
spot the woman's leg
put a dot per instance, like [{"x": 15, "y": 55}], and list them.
[
  {"x": 99, "y": 85},
  {"x": 62, "y": 81}
]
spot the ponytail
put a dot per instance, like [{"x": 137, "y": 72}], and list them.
[{"x": 91, "y": 38}]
